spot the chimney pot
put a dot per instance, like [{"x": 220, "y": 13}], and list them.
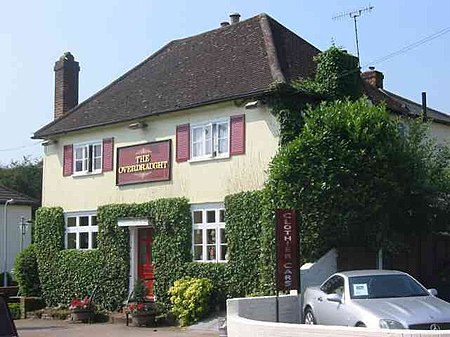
[
  {"x": 66, "y": 84},
  {"x": 234, "y": 18},
  {"x": 224, "y": 24}
]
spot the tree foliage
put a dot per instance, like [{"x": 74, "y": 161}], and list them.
[
  {"x": 23, "y": 176},
  {"x": 357, "y": 179}
]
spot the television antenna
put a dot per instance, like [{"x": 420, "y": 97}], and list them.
[{"x": 355, "y": 15}]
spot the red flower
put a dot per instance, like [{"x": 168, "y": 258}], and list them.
[{"x": 77, "y": 303}]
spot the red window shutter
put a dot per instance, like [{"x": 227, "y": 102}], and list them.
[
  {"x": 183, "y": 143},
  {"x": 108, "y": 154},
  {"x": 237, "y": 134},
  {"x": 68, "y": 160}
]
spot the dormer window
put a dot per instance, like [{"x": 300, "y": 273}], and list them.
[{"x": 87, "y": 158}]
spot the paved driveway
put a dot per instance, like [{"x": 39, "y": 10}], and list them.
[{"x": 56, "y": 328}]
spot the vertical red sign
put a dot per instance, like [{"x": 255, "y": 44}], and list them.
[{"x": 287, "y": 250}]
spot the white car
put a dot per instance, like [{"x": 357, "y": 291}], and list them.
[{"x": 376, "y": 299}]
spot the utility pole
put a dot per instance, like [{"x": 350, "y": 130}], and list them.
[{"x": 355, "y": 15}]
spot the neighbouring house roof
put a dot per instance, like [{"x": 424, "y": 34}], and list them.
[
  {"x": 402, "y": 105},
  {"x": 415, "y": 109},
  {"x": 19, "y": 198},
  {"x": 236, "y": 61}
]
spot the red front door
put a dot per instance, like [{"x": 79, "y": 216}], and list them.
[{"x": 145, "y": 263}]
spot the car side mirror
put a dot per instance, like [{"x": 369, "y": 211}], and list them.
[
  {"x": 433, "y": 292},
  {"x": 334, "y": 298}
]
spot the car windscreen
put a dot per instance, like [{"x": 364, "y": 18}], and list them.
[{"x": 384, "y": 286}]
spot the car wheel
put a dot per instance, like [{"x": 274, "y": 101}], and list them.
[
  {"x": 309, "y": 317},
  {"x": 360, "y": 325}
]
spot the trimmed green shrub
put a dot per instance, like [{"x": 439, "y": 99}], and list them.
[
  {"x": 243, "y": 230},
  {"x": 26, "y": 272},
  {"x": 190, "y": 298},
  {"x": 218, "y": 274}
]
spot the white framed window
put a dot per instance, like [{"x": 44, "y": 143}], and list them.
[
  {"x": 81, "y": 230},
  {"x": 209, "y": 241},
  {"x": 210, "y": 140},
  {"x": 87, "y": 158}
]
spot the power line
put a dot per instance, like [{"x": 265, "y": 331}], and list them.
[
  {"x": 411, "y": 46},
  {"x": 400, "y": 51},
  {"x": 19, "y": 147}
]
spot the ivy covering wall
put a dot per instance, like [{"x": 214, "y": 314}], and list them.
[
  {"x": 66, "y": 274},
  {"x": 243, "y": 225}
]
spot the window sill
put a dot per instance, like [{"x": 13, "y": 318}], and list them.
[
  {"x": 201, "y": 159},
  {"x": 86, "y": 174}
]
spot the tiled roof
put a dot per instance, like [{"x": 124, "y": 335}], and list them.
[
  {"x": 19, "y": 198},
  {"x": 237, "y": 61},
  {"x": 402, "y": 105},
  {"x": 415, "y": 109}
]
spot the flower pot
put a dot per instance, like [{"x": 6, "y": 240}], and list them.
[
  {"x": 83, "y": 315},
  {"x": 143, "y": 318}
]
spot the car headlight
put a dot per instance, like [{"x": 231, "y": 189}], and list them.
[{"x": 390, "y": 324}]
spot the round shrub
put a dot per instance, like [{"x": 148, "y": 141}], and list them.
[
  {"x": 26, "y": 272},
  {"x": 190, "y": 298}
]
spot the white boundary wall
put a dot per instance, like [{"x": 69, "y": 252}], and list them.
[{"x": 255, "y": 317}]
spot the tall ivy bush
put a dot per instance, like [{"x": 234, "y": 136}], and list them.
[{"x": 357, "y": 179}]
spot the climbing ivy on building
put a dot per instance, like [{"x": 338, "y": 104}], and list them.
[
  {"x": 243, "y": 224},
  {"x": 337, "y": 77},
  {"x": 68, "y": 273}
]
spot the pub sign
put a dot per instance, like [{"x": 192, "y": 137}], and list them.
[
  {"x": 143, "y": 163},
  {"x": 287, "y": 250}
]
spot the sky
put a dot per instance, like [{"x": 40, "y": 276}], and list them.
[{"x": 109, "y": 37}]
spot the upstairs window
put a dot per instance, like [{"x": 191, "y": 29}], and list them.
[
  {"x": 213, "y": 139},
  {"x": 210, "y": 140},
  {"x": 87, "y": 158}
]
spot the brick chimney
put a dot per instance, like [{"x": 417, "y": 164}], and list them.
[
  {"x": 373, "y": 77},
  {"x": 66, "y": 84}
]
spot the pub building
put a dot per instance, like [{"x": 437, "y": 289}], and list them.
[{"x": 189, "y": 121}]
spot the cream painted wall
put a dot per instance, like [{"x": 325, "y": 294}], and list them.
[
  {"x": 206, "y": 181},
  {"x": 14, "y": 213},
  {"x": 440, "y": 132}
]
